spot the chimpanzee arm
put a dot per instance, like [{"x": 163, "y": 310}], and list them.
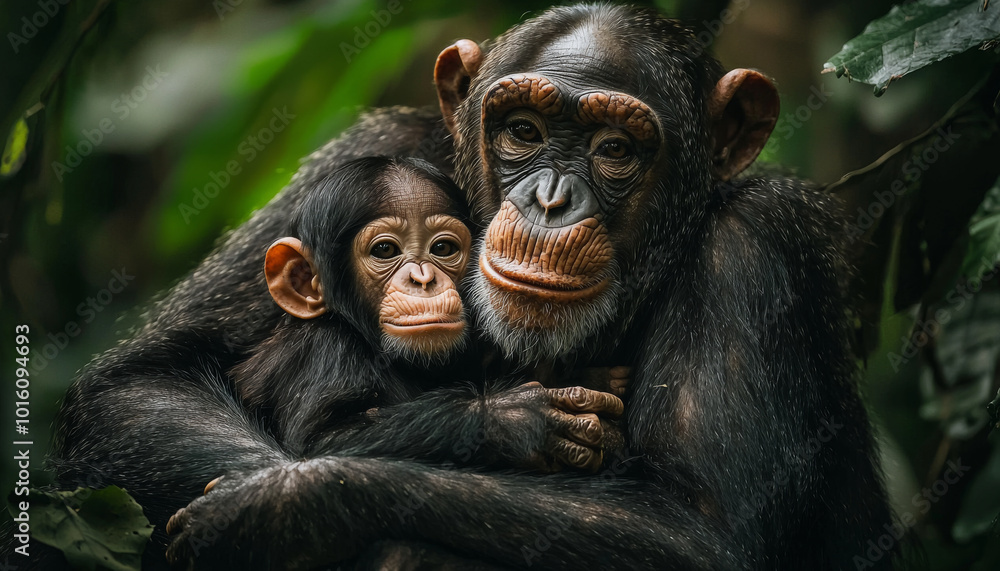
[
  {"x": 750, "y": 372},
  {"x": 161, "y": 438},
  {"x": 317, "y": 381},
  {"x": 523, "y": 427},
  {"x": 317, "y": 512}
]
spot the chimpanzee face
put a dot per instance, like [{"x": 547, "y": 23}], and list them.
[
  {"x": 404, "y": 264},
  {"x": 590, "y": 147},
  {"x": 407, "y": 264},
  {"x": 567, "y": 162}
]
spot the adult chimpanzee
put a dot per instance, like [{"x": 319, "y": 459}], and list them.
[
  {"x": 617, "y": 232},
  {"x": 723, "y": 292}
]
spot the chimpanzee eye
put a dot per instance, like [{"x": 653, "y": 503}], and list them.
[
  {"x": 615, "y": 149},
  {"x": 385, "y": 250},
  {"x": 444, "y": 248},
  {"x": 524, "y": 130}
]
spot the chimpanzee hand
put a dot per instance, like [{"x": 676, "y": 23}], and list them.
[
  {"x": 534, "y": 427},
  {"x": 241, "y": 522}
]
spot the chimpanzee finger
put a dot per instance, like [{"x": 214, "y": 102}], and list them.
[
  {"x": 617, "y": 387},
  {"x": 579, "y": 399},
  {"x": 620, "y": 372},
  {"x": 583, "y": 429},
  {"x": 177, "y": 521},
  {"x": 575, "y": 455},
  {"x": 619, "y": 378}
]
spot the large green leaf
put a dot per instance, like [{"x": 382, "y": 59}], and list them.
[
  {"x": 93, "y": 528},
  {"x": 912, "y": 36}
]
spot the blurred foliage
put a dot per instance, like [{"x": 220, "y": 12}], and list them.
[
  {"x": 15, "y": 152},
  {"x": 145, "y": 129}
]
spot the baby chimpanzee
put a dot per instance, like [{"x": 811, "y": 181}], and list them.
[{"x": 368, "y": 274}]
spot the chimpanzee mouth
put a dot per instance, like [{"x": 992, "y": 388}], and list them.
[
  {"x": 538, "y": 289},
  {"x": 423, "y": 324}
]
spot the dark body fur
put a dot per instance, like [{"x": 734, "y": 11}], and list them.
[{"x": 733, "y": 321}]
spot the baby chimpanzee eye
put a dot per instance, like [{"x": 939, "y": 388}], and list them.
[
  {"x": 385, "y": 250},
  {"x": 444, "y": 248}
]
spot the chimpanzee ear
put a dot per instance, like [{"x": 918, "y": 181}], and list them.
[
  {"x": 291, "y": 279},
  {"x": 743, "y": 109},
  {"x": 455, "y": 68}
]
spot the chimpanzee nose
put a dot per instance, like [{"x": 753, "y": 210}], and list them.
[
  {"x": 553, "y": 200},
  {"x": 422, "y": 275},
  {"x": 421, "y": 278}
]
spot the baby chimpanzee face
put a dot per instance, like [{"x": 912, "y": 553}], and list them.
[
  {"x": 407, "y": 265},
  {"x": 405, "y": 262}
]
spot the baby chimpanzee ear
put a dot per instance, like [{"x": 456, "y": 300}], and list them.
[{"x": 292, "y": 280}]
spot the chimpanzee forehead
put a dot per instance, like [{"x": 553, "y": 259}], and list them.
[
  {"x": 588, "y": 56},
  {"x": 407, "y": 194}
]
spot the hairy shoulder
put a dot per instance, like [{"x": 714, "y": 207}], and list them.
[{"x": 777, "y": 216}]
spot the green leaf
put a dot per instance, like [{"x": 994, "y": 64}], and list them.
[
  {"x": 984, "y": 246},
  {"x": 913, "y": 36},
  {"x": 984, "y": 236},
  {"x": 93, "y": 528},
  {"x": 15, "y": 150}
]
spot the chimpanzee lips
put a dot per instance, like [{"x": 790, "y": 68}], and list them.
[
  {"x": 424, "y": 325},
  {"x": 409, "y": 314},
  {"x": 540, "y": 289},
  {"x": 414, "y": 320},
  {"x": 549, "y": 264}
]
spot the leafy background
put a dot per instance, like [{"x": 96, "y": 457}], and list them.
[{"x": 227, "y": 65}]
